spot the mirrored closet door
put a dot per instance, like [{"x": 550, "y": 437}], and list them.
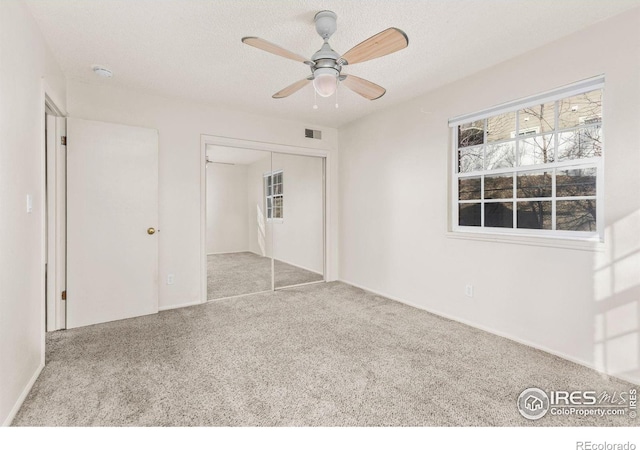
[
  {"x": 265, "y": 221},
  {"x": 238, "y": 238},
  {"x": 297, "y": 219}
]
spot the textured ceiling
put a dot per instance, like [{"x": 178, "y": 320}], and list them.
[{"x": 191, "y": 49}]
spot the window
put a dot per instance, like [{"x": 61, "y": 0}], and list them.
[
  {"x": 532, "y": 167},
  {"x": 273, "y": 194}
]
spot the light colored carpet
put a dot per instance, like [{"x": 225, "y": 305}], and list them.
[
  {"x": 320, "y": 355},
  {"x": 241, "y": 273}
]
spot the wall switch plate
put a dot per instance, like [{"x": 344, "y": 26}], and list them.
[
  {"x": 29, "y": 203},
  {"x": 171, "y": 278},
  {"x": 468, "y": 290}
]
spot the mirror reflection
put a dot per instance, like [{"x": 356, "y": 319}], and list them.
[
  {"x": 264, "y": 221},
  {"x": 237, "y": 236},
  {"x": 297, "y": 218}
]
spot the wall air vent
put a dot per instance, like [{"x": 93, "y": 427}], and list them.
[{"x": 312, "y": 134}]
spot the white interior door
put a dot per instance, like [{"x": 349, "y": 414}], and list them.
[{"x": 112, "y": 206}]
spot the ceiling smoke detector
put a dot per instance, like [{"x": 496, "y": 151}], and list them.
[{"x": 102, "y": 71}]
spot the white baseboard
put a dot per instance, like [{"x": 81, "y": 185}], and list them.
[
  {"x": 178, "y": 305},
  {"x": 497, "y": 333},
  {"x": 23, "y": 395}
]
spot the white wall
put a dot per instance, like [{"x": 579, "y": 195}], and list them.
[
  {"x": 227, "y": 214},
  {"x": 180, "y": 125},
  {"x": 298, "y": 238},
  {"x": 394, "y": 168},
  {"x": 25, "y": 61}
]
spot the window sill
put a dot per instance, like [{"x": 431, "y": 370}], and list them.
[{"x": 585, "y": 244}]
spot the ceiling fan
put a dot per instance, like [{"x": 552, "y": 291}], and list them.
[{"x": 326, "y": 64}]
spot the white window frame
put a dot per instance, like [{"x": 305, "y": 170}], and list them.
[
  {"x": 271, "y": 197},
  {"x": 595, "y": 162}
]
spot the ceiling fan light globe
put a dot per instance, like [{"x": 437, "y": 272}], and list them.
[{"x": 325, "y": 82}]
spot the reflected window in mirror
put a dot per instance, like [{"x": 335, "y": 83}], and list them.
[{"x": 274, "y": 195}]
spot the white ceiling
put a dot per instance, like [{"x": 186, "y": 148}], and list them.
[
  {"x": 231, "y": 155},
  {"x": 191, "y": 49}
]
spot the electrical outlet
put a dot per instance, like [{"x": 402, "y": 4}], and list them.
[
  {"x": 468, "y": 290},
  {"x": 171, "y": 278}
]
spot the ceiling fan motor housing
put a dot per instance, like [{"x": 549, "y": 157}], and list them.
[{"x": 326, "y": 57}]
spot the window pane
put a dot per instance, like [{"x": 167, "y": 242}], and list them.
[
  {"x": 501, "y": 127},
  {"x": 469, "y": 188},
  {"x": 581, "y": 143},
  {"x": 536, "y": 150},
  {"x": 576, "y": 182},
  {"x": 534, "y": 215},
  {"x": 277, "y": 212},
  {"x": 576, "y": 215},
  {"x": 500, "y": 155},
  {"x": 580, "y": 109},
  {"x": 498, "y": 214},
  {"x": 537, "y": 119},
  {"x": 534, "y": 184},
  {"x": 278, "y": 178},
  {"x": 498, "y": 186},
  {"x": 469, "y": 214},
  {"x": 470, "y": 160},
  {"x": 277, "y": 202},
  {"x": 269, "y": 205},
  {"x": 471, "y": 134},
  {"x": 277, "y": 189}
]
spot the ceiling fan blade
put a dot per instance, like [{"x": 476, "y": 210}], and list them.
[
  {"x": 386, "y": 42},
  {"x": 367, "y": 89},
  {"x": 272, "y": 48},
  {"x": 295, "y": 87}
]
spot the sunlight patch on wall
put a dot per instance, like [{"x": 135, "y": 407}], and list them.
[
  {"x": 261, "y": 230},
  {"x": 626, "y": 273},
  {"x": 626, "y": 238},
  {"x": 622, "y": 319},
  {"x": 616, "y": 290}
]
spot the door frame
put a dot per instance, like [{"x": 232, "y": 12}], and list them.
[
  {"x": 49, "y": 101},
  {"x": 55, "y": 217},
  {"x": 269, "y": 147}
]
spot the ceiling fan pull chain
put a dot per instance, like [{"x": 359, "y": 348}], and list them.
[
  {"x": 337, "y": 84},
  {"x": 315, "y": 99}
]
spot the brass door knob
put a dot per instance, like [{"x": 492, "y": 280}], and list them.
[{"x": 151, "y": 230}]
